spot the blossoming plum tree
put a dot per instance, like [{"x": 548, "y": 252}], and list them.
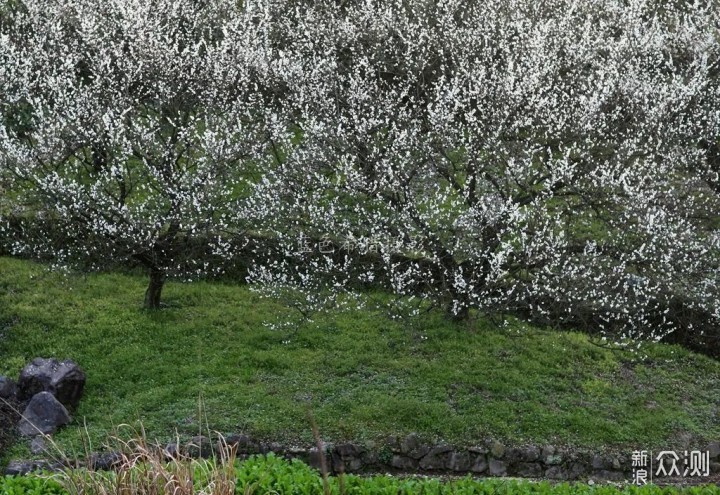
[
  {"x": 549, "y": 159},
  {"x": 129, "y": 129},
  {"x": 556, "y": 160}
]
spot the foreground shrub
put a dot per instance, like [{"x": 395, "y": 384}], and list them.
[
  {"x": 262, "y": 475},
  {"x": 270, "y": 474},
  {"x": 30, "y": 485}
]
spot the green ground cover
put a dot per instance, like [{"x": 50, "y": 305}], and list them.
[
  {"x": 272, "y": 475},
  {"x": 363, "y": 375}
]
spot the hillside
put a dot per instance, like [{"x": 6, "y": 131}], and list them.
[{"x": 207, "y": 361}]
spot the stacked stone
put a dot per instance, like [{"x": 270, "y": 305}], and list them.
[{"x": 48, "y": 389}]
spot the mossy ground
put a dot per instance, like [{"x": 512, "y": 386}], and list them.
[{"x": 208, "y": 362}]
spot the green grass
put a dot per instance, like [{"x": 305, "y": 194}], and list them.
[{"x": 363, "y": 375}]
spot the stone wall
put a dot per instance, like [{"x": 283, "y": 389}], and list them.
[
  {"x": 411, "y": 454},
  {"x": 47, "y": 388}
]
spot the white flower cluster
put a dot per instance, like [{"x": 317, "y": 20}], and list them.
[
  {"x": 130, "y": 130},
  {"x": 553, "y": 159}
]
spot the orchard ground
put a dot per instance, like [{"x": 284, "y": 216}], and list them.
[{"x": 206, "y": 361}]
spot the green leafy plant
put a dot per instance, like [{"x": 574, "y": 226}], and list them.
[
  {"x": 30, "y": 485},
  {"x": 270, "y": 474},
  {"x": 385, "y": 455}
]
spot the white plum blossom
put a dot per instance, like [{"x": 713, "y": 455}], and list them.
[
  {"x": 537, "y": 158},
  {"x": 129, "y": 132},
  {"x": 557, "y": 160}
]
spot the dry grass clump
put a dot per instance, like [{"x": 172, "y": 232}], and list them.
[{"x": 141, "y": 468}]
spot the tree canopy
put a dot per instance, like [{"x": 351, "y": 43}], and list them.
[{"x": 559, "y": 160}]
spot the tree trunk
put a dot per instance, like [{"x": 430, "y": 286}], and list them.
[
  {"x": 463, "y": 312},
  {"x": 154, "y": 290}
]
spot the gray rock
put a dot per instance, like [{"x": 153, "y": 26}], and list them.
[
  {"x": 459, "y": 462},
  {"x": 522, "y": 454},
  {"x": 666, "y": 462},
  {"x": 316, "y": 457},
  {"x": 293, "y": 453},
  {"x": 497, "y": 450},
  {"x": 437, "y": 458},
  {"x": 7, "y": 388},
  {"x": 393, "y": 443},
  {"x": 299, "y": 452},
  {"x": 497, "y": 467},
  {"x": 556, "y": 473},
  {"x": 412, "y": 446},
  {"x": 601, "y": 462},
  {"x": 512, "y": 455},
  {"x": 198, "y": 447},
  {"x": 370, "y": 457},
  {"x": 684, "y": 440},
  {"x": 349, "y": 465},
  {"x": 478, "y": 450},
  {"x": 404, "y": 463},
  {"x": 37, "y": 445},
  {"x": 21, "y": 468},
  {"x": 347, "y": 457},
  {"x": 548, "y": 452},
  {"x": 105, "y": 461},
  {"x": 577, "y": 470},
  {"x": 44, "y": 414},
  {"x": 348, "y": 450},
  {"x": 408, "y": 443},
  {"x": 480, "y": 465},
  {"x": 714, "y": 449},
  {"x": 171, "y": 451},
  {"x": 553, "y": 459},
  {"x": 243, "y": 444},
  {"x": 65, "y": 380},
  {"x": 530, "y": 453},
  {"x": 276, "y": 448},
  {"x": 529, "y": 470},
  {"x": 608, "y": 475}
]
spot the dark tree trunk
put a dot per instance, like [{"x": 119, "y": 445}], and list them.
[
  {"x": 462, "y": 314},
  {"x": 154, "y": 290}
]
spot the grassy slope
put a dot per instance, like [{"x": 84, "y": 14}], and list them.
[{"x": 364, "y": 375}]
